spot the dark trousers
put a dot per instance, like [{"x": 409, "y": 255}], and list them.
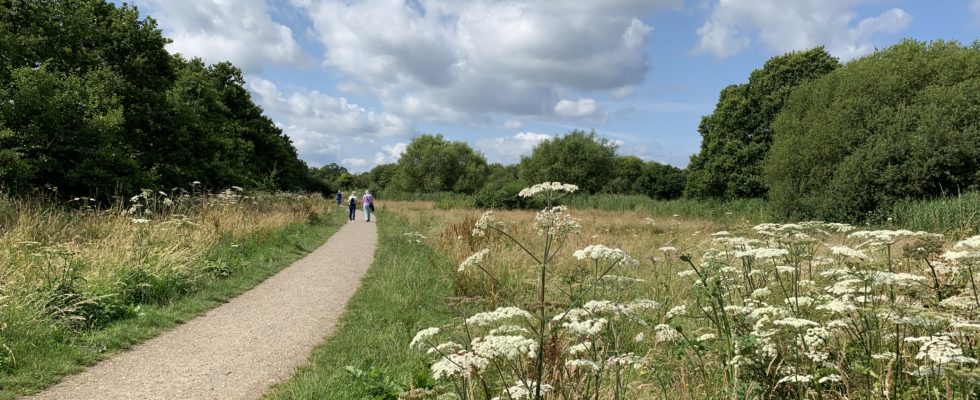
[{"x": 353, "y": 210}]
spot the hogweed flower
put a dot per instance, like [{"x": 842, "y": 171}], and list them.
[
  {"x": 500, "y": 314},
  {"x": 522, "y": 391},
  {"x": 600, "y": 252},
  {"x": 485, "y": 222},
  {"x": 546, "y": 187},
  {"x": 422, "y": 336},
  {"x": 473, "y": 260},
  {"x": 555, "y": 221}
]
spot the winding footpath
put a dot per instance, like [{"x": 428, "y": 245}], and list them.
[{"x": 239, "y": 349}]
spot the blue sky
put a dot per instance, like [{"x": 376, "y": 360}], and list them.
[{"x": 352, "y": 81}]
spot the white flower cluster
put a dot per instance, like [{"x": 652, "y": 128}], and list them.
[
  {"x": 599, "y": 252},
  {"x": 940, "y": 350},
  {"x": 414, "y": 237},
  {"x": 964, "y": 250},
  {"x": 845, "y": 251},
  {"x": 547, "y": 187},
  {"x": 886, "y": 237},
  {"x": 504, "y": 346},
  {"x": 473, "y": 260},
  {"x": 555, "y": 221},
  {"x": 465, "y": 364},
  {"x": 422, "y": 336},
  {"x": 485, "y": 222},
  {"x": 500, "y": 314}
]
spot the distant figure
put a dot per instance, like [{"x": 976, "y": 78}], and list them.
[
  {"x": 352, "y": 205},
  {"x": 368, "y": 202},
  {"x": 339, "y": 195}
]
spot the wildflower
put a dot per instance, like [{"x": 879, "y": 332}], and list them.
[
  {"x": 837, "y": 306},
  {"x": 464, "y": 364},
  {"x": 422, "y": 336},
  {"x": 666, "y": 333},
  {"x": 676, "y": 311},
  {"x": 648, "y": 221},
  {"x": 486, "y": 221},
  {"x": 507, "y": 329},
  {"x": 761, "y": 293},
  {"x": 555, "y": 221},
  {"x": 589, "y": 327},
  {"x": 140, "y": 221},
  {"x": 473, "y": 260},
  {"x": 765, "y": 253},
  {"x": 639, "y": 337},
  {"x": 940, "y": 350},
  {"x": 504, "y": 346},
  {"x": 600, "y": 252},
  {"x": 668, "y": 249},
  {"x": 706, "y": 337},
  {"x": 501, "y": 313},
  {"x": 795, "y": 322},
  {"x": 578, "y": 348},
  {"x": 721, "y": 233},
  {"x": 547, "y": 187},
  {"x": 848, "y": 252},
  {"x": 830, "y": 378},
  {"x": 585, "y": 364},
  {"x": 625, "y": 359}
]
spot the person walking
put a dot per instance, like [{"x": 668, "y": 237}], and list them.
[
  {"x": 339, "y": 195},
  {"x": 352, "y": 205},
  {"x": 368, "y": 202}
]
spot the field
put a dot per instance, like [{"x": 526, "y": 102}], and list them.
[
  {"x": 670, "y": 306},
  {"x": 79, "y": 283}
]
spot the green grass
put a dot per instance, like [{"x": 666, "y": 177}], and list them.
[
  {"x": 955, "y": 214},
  {"x": 56, "y": 351},
  {"x": 755, "y": 210},
  {"x": 404, "y": 291}
]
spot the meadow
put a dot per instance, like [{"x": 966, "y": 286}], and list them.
[
  {"x": 80, "y": 281},
  {"x": 606, "y": 300}
]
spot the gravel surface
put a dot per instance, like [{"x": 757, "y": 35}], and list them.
[{"x": 239, "y": 349}]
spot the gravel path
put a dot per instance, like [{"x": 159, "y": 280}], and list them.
[{"x": 239, "y": 349}]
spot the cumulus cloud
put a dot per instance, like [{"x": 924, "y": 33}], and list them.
[
  {"x": 577, "y": 108},
  {"x": 242, "y": 32},
  {"x": 354, "y": 163},
  {"x": 324, "y": 127},
  {"x": 508, "y": 150},
  {"x": 389, "y": 153},
  {"x": 513, "y": 124},
  {"x": 797, "y": 25},
  {"x": 451, "y": 60}
]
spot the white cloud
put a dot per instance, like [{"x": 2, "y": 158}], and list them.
[
  {"x": 508, "y": 150},
  {"x": 354, "y": 163},
  {"x": 623, "y": 92},
  {"x": 784, "y": 26},
  {"x": 451, "y": 60},
  {"x": 389, "y": 153},
  {"x": 325, "y": 128},
  {"x": 577, "y": 109},
  {"x": 242, "y": 32}
]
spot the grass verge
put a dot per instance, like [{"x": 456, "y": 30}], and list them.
[
  {"x": 404, "y": 291},
  {"x": 56, "y": 352}
]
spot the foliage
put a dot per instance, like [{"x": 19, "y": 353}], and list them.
[
  {"x": 655, "y": 180},
  {"x": 900, "y": 123},
  {"x": 431, "y": 163},
  {"x": 584, "y": 159},
  {"x": 92, "y": 103},
  {"x": 737, "y": 136}
]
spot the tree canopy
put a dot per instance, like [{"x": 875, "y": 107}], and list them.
[
  {"x": 580, "y": 158},
  {"x": 92, "y": 103},
  {"x": 431, "y": 163},
  {"x": 903, "y": 122},
  {"x": 737, "y": 136}
]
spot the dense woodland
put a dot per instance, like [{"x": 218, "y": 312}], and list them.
[{"x": 91, "y": 103}]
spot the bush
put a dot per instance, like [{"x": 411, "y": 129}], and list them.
[
  {"x": 900, "y": 123},
  {"x": 503, "y": 196}
]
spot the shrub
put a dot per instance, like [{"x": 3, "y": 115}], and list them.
[{"x": 900, "y": 123}]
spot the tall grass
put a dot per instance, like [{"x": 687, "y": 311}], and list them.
[
  {"x": 956, "y": 214},
  {"x": 77, "y": 281},
  {"x": 740, "y": 209}
]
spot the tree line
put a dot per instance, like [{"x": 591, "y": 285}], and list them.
[{"x": 92, "y": 103}]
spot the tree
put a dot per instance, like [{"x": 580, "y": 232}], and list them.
[
  {"x": 903, "y": 122},
  {"x": 737, "y": 136},
  {"x": 627, "y": 171},
  {"x": 580, "y": 158},
  {"x": 661, "y": 181},
  {"x": 431, "y": 163}
]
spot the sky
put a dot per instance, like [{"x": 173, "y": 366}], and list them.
[{"x": 353, "y": 81}]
